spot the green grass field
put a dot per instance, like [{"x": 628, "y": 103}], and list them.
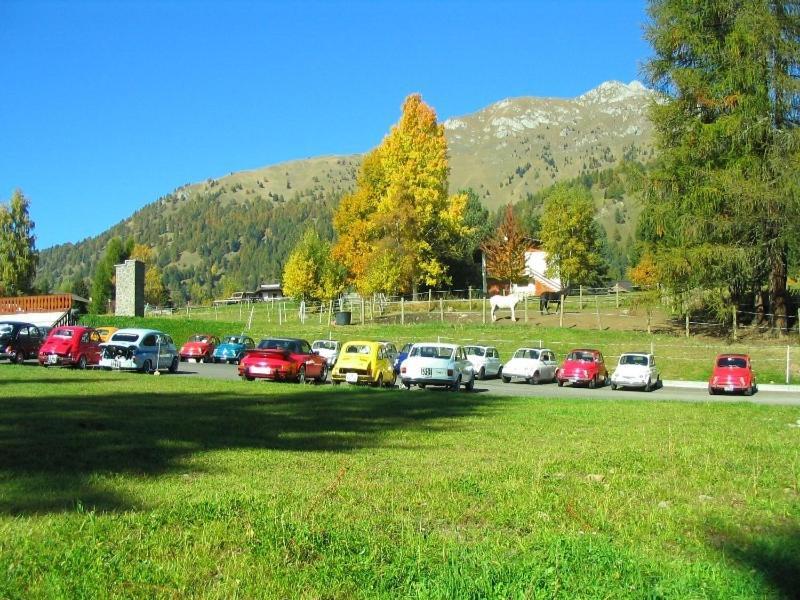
[
  {"x": 679, "y": 358},
  {"x": 165, "y": 487}
]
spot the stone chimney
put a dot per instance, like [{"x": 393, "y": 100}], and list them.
[{"x": 130, "y": 289}]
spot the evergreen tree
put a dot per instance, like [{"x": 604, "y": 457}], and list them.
[
  {"x": 722, "y": 211},
  {"x": 103, "y": 281},
  {"x": 18, "y": 255}
]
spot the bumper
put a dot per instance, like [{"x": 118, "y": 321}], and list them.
[
  {"x": 359, "y": 378},
  {"x": 627, "y": 382},
  {"x": 517, "y": 374},
  {"x": 272, "y": 375},
  {"x": 120, "y": 364},
  {"x": 55, "y": 360},
  {"x": 574, "y": 379},
  {"x": 426, "y": 381},
  {"x": 728, "y": 387},
  {"x": 225, "y": 356}
]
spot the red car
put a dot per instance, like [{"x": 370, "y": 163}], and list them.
[
  {"x": 732, "y": 373},
  {"x": 583, "y": 366},
  {"x": 283, "y": 360},
  {"x": 199, "y": 347},
  {"x": 71, "y": 346}
]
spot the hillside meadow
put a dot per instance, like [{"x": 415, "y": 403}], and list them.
[{"x": 124, "y": 485}]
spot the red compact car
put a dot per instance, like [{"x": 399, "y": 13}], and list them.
[
  {"x": 199, "y": 347},
  {"x": 732, "y": 373},
  {"x": 583, "y": 366},
  {"x": 71, "y": 346},
  {"x": 283, "y": 360}
]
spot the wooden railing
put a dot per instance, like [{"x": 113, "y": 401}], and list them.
[{"x": 24, "y": 304}]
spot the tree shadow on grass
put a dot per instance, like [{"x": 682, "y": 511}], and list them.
[
  {"x": 774, "y": 554},
  {"x": 52, "y": 449}
]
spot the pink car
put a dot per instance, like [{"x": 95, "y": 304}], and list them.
[{"x": 582, "y": 366}]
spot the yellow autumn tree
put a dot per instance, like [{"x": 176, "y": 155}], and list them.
[
  {"x": 646, "y": 276},
  {"x": 400, "y": 215},
  {"x": 154, "y": 291}
]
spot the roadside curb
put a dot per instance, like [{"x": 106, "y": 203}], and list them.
[{"x": 767, "y": 387}]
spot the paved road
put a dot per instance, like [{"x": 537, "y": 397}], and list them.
[{"x": 497, "y": 387}]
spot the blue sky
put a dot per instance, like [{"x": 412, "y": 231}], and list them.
[{"x": 105, "y": 106}]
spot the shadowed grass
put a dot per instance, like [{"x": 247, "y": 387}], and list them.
[{"x": 142, "y": 486}]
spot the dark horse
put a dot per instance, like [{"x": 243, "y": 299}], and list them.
[{"x": 548, "y": 298}]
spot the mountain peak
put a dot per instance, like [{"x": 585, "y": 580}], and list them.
[{"x": 614, "y": 91}]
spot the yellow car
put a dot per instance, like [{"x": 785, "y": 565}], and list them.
[
  {"x": 364, "y": 362},
  {"x": 105, "y": 332}
]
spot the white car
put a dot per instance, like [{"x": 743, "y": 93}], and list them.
[
  {"x": 636, "y": 369},
  {"x": 485, "y": 360},
  {"x": 534, "y": 365},
  {"x": 432, "y": 363},
  {"x": 144, "y": 350},
  {"x": 327, "y": 349}
]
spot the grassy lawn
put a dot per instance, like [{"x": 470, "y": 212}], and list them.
[
  {"x": 144, "y": 486},
  {"x": 678, "y": 357}
]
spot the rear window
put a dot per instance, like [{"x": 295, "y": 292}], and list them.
[
  {"x": 633, "y": 359},
  {"x": 441, "y": 352},
  {"x": 124, "y": 337},
  {"x": 526, "y": 353},
  {"x": 324, "y": 345},
  {"x": 289, "y": 345},
  {"x": 581, "y": 356},
  {"x": 199, "y": 338},
  {"x": 63, "y": 333},
  {"x": 474, "y": 351},
  {"x": 732, "y": 361},
  {"x": 357, "y": 349}
]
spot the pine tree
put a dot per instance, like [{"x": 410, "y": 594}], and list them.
[{"x": 18, "y": 255}]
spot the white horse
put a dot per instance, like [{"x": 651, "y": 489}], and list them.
[{"x": 509, "y": 301}]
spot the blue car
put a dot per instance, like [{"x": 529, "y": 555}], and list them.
[
  {"x": 401, "y": 356},
  {"x": 232, "y": 348}
]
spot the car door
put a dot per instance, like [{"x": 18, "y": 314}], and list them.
[
  {"x": 494, "y": 361},
  {"x": 550, "y": 365},
  {"x": 93, "y": 349},
  {"x": 653, "y": 370},
  {"x": 311, "y": 361},
  {"x": 165, "y": 354},
  {"x": 463, "y": 365}
]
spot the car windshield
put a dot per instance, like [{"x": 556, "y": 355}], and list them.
[
  {"x": 323, "y": 345},
  {"x": 63, "y": 333},
  {"x": 526, "y": 353},
  {"x": 581, "y": 356},
  {"x": 356, "y": 349},
  {"x": 633, "y": 359},
  {"x": 124, "y": 337},
  {"x": 233, "y": 339},
  {"x": 475, "y": 351},
  {"x": 732, "y": 361},
  {"x": 6, "y": 328},
  {"x": 199, "y": 338},
  {"x": 441, "y": 352}
]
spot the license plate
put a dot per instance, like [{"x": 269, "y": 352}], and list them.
[
  {"x": 351, "y": 377},
  {"x": 728, "y": 388},
  {"x": 261, "y": 370},
  {"x": 192, "y": 360},
  {"x": 426, "y": 372},
  {"x": 52, "y": 359},
  {"x": 116, "y": 364}
]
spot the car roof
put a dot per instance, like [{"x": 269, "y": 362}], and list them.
[
  {"x": 747, "y": 356},
  {"x": 585, "y": 350},
  {"x": 635, "y": 354},
  {"x": 437, "y": 344},
  {"x": 20, "y": 323},
  {"x": 529, "y": 348},
  {"x": 367, "y": 342},
  {"x": 477, "y": 346},
  {"x": 283, "y": 339},
  {"x": 139, "y": 331}
]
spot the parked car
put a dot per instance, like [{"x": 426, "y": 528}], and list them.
[
  {"x": 199, "y": 347},
  {"x": 71, "y": 347},
  {"x": 105, "y": 332},
  {"x": 19, "y": 341},
  {"x": 485, "y": 360},
  {"x": 281, "y": 359},
  {"x": 364, "y": 362},
  {"x": 143, "y": 350},
  {"x": 232, "y": 348},
  {"x": 583, "y": 366},
  {"x": 636, "y": 369},
  {"x": 431, "y": 363},
  {"x": 732, "y": 373},
  {"x": 391, "y": 350},
  {"x": 401, "y": 356},
  {"x": 534, "y": 365},
  {"x": 328, "y": 349}
]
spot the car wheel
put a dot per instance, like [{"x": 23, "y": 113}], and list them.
[
  {"x": 17, "y": 357},
  {"x": 560, "y": 383},
  {"x": 393, "y": 382},
  {"x": 147, "y": 367},
  {"x": 301, "y": 374},
  {"x": 407, "y": 385},
  {"x": 183, "y": 359},
  {"x": 215, "y": 360},
  {"x": 248, "y": 378},
  {"x": 173, "y": 366},
  {"x": 535, "y": 378},
  {"x": 482, "y": 374},
  {"x": 82, "y": 362},
  {"x": 613, "y": 386},
  {"x": 748, "y": 391},
  {"x": 506, "y": 379},
  {"x": 422, "y": 386},
  {"x": 470, "y": 385},
  {"x": 711, "y": 391},
  {"x": 648, "y": 387},
  {"x": 379, "y": 382},
  {"x": 593, "y": 382},
  {"x": 323, "y": 376},
  {"x": 456, "y": 384}
]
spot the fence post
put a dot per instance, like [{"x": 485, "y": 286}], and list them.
[
  {"x": 597, "y": 311},
  {"x": 651, "y": 348},
  {"x": 580, "y": 300},
  {"x": 561, "y": 310},
  {"x": 788, "y": 365},
  {"x": 734, "y": 323},
  {"x": 441, "y": 310},
  {"x": 687, "y": 324},
  {"x": 402, "y": 311},
  {"x": 483, "y": 309},
  {"x": 362, "y": 311},
  {"x": 430, "y": 300},
  {"x": 470, "y": 298},
  {"x": 526, "y": 308},
  {"x": 617, "y": 289}
]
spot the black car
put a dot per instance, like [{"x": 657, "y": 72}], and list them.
[{"x": 19, "y": 341}]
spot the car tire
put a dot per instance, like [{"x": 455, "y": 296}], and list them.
[
  {"x": 393, "y": 382},
  {"x": 215, "y": 360},
  {"x": 82, "y": 363},
  {"x": 248, "y": 378},
  {"x": 471, "y": 384},
  {"x": 301, "y": 374},
  {"x": 748, "y": 391},
  {"x": 147, "y": 367},
  {"x": 182, "y": 359},
  {"x": 505, "y": 379},
  {"x": 711, "y": 391},
  {"x": 17, "y": 358},
  {"x": 173, "y": 366},
  {"x": 535, "y": 378},
  {"x": 613, "y": 386},
  {"x": 379, "y": 382},
  {"x": 482, "y": 374},
  {"x": 593, "y": 382},
  {"x": 407, "y": 385},
  {"x": 560, "y": 383},
  {"x": 323, "y": 376},
  {"x": 456, "y": 384},
  {"x": 422, "y": 385}
]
